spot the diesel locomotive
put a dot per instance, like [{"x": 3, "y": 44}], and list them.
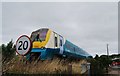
[{"x": 47, "y": 43}]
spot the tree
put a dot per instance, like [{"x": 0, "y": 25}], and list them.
[
  {"x": 96, "y": 66},
  {"x": 99, "y": 64},
  {"x": 8, "y": 51},
  {"x": 105, "y": 61},
  {"x": 96, "y": 57}
]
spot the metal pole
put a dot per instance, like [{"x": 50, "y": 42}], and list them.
[
  {"x": 107, "y": 50},
  {"x": 107, "y": 56}
]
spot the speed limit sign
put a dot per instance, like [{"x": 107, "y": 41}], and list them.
[{"x": 23, "y": 45}]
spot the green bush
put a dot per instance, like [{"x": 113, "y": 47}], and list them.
[
  {"x": 8, "y": 51},
  {"x": 100, "y": 64}
]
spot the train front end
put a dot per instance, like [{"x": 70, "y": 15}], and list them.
[{"x": 39, "y": 40}]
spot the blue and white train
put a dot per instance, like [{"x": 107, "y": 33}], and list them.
[{"x": 46, "y": 43}]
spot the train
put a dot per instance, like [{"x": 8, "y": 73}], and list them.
[{"x": 47, "y": 43}]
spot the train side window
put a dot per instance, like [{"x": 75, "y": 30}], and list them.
[
  {"x": 55, "y": 41},
  {"x": 60, "y": 42},
  {"x": 74, "y": 48}
]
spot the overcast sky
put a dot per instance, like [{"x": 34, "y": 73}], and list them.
[{"x": 89, "y": 25}]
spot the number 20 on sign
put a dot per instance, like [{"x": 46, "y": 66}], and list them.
[{"x": 23, "y": 45}]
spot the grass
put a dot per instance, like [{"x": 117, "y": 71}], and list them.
[{"x": 55, "y": 66}]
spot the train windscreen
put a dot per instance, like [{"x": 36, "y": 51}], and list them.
[{"x": 39, "y": 35}]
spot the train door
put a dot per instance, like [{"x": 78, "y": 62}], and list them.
[{"x": 61, "y": 45}]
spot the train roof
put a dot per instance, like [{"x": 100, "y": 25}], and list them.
[
  {"x": 40, "y": 29},
  {"x": 79, "y": 50}
]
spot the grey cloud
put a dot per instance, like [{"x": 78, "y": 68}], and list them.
[
  {"x": 0, "y": 23},
  {"x": 88, "y": 25}
]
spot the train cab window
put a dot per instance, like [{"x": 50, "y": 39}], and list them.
[
  {"x": 43, "y": 34},
  {"x": 39, "y": 35},
  {"x": 55, "y": 41}
]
